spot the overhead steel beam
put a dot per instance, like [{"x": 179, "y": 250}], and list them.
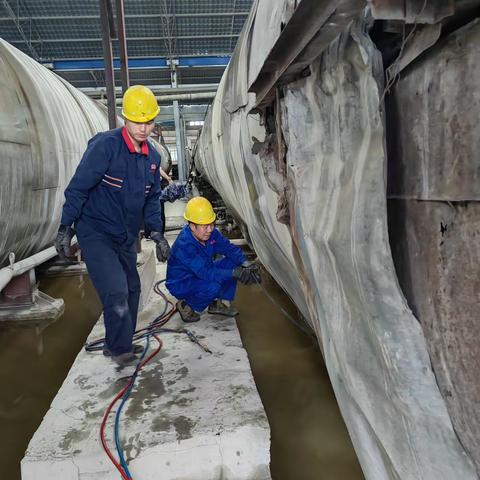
[
  {"x": 137, "y": 63},
  {"x": 16, "y": 21},
  {"x": 149, "y": 15},
  {"x": 96, "y": 92},
  {"x": 130, "y": 39},
  {"x": 182, "y": 97}
]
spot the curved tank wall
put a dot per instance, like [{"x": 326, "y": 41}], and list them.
[
  {"x": 166, "y": 162},
  {"x": 307, "y": 180},
  {"x": 45, "y": 125}
]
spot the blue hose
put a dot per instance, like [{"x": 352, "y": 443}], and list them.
[{"x": 125, "y": 397}]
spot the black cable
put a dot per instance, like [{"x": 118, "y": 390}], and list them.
[{"x": 139, "y": 334}]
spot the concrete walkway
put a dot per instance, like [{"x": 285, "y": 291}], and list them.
[{"x": 192, "y": 414}]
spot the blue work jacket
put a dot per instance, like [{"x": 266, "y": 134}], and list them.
[
  {"x": 190, "y": 259},
  {"x": 115, "y": 188}
]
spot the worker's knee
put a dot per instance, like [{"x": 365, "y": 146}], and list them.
[
  {"x": 117, "y": 303},
  {"x": 212, "y": 290}
]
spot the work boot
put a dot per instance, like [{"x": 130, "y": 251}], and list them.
[
  {"x": 125, "y": 359},
  {"x": 217, "y": 307},
  {"x": 137, "y": 349},
  {"x": 187, "y": 313}
]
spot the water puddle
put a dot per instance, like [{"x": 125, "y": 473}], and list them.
[
  {"x": 34, "y": 361},
  {"x": 309, "y": 437}
]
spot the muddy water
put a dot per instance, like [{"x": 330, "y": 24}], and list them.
[
  {"x": 34, "y": 362},
  {"x": 309, "y": 437}
]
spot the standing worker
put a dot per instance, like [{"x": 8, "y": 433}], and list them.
[
  {"x": 115, "y": 188},
  {"x": 194, "y": 274}
]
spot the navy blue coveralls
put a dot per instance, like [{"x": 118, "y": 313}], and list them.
[
  {"x": 113, "y": 191},
  {"x": 195, "y": 276}
]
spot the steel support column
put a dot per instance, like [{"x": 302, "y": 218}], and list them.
[
  {"x": 180, "y": 145},
  {"x": 122, "y": 41},
  {"x": 105, "y": 13},
  {"x": 179, "y": 126}
]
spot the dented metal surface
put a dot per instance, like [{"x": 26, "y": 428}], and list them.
[
  {"x": 413, "y": 11},
  {"x": 305, "y": 34},
  {"x": 433, "y": 155},
  {"x": 436, "y": 248},
  {"x": 307, "y": 180},
  {"x": 45, "y": 124}
]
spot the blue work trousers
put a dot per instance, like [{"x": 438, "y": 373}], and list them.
[
  {"x": 198, "y": 293},
  {"x": 113, "y": 271}
]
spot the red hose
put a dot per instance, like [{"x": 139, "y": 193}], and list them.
[{"x": 114, "y": 401}]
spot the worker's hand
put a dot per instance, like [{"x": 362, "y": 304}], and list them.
[
  {"x": 253, "y": 274},
  {"x": 247, "y": 275},
  {"x": 162, "y": 248},
  {"x": 63, "y": 242}
]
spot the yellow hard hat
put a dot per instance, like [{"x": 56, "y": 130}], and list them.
[
  {"x": 139, "y": 104},
  {"x": 199, "y": 210}
]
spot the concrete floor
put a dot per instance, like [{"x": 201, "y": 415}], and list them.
[{"x": 192, "y": 415}]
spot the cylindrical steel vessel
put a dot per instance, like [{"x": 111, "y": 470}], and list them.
[
  {"x": 45, "y": 125},
  {"x": 301, "y": 163}
]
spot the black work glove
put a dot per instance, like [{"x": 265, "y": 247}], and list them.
[
  {"x": 240, "y": 274},
  {"x": 162, "y": 248},
  {"x": 247, "y": 275},
  {"x": 253, "y": 274},
  {"x": 63, "y": 241}
]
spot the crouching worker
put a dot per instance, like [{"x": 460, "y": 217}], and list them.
[
  {"x": 195, "y": 275},
  {"x": 115, "y": 187}
]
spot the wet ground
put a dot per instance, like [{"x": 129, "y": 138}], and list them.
[
  {"x": 34, "y": 362},
  {"x": 309, "y": 438}
]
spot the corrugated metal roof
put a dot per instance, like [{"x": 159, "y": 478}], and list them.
[{"x": 52, "y": 30}]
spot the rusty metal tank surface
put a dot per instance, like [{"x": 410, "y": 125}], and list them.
[
  {"x": 45, "y": 125},
  {"x": 304, "y": 171},
  {"x": 434, "y": 213}
]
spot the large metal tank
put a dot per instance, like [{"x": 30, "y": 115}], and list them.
[
  {"x": 45, "y": 125},
  {"x": 305, "y": 173}
]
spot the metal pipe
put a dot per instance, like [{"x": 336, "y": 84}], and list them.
[
  {"x": 122, "y": 42},
  {"x": 97, "y": 92},
  {"x": 141, "y": 16},
  {"x": 181, "y": 97},
  {"x": 186, "y": 96},
  {"x": 15, "y": 269},
  {"x": 108, "y": 59},
  {"x": 111, "y": 21}
]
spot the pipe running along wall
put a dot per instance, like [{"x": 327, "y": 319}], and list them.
[{"x": 307, "y": 180}]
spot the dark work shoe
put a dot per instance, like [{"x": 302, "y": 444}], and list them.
[
  {"x": 125, "y": 359},
  {"x": 137, "y": 349},
  {"x": 217, "y": 307},
  {"x": 187, "y": 313}
]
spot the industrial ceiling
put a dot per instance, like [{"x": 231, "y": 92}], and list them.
[{"x": 66, "y": 36}]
